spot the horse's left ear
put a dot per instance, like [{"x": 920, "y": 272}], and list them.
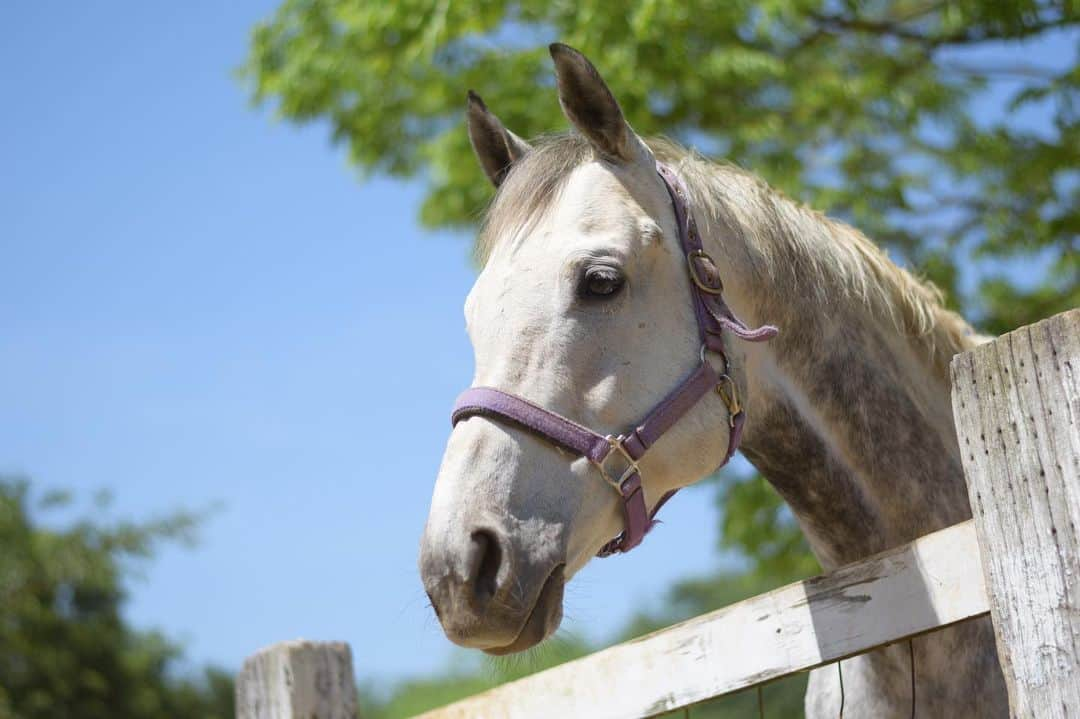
[
  {"x": 589, "y": 104},
  {"x": 496, "y": 147}
]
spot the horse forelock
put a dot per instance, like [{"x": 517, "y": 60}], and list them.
[{"x": 530, "y": 187}]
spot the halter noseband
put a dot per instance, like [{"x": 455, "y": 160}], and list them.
[{"x": 617, "y": 458}]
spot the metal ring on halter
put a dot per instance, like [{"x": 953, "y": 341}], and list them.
[
  {"x": 705, "y": 348},
  {"x": 697, "y": 279}
]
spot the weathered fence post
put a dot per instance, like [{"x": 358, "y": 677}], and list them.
[
  {"x": 1016, "y": 401},
  {"x": 298, "y": 680}
]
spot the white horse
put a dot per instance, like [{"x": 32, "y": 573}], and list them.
[{"x": 582, "y": 307}]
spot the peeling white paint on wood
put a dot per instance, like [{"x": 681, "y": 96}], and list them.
[
  {"x": 1017, "y": 407},
  {"x": 298, "y": 680},
  {"x": 932, "y": 582}
]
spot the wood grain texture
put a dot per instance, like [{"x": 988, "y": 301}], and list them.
[
  {"x": 298, "y": 680},
  {"x": 932, "y": 582},
  {"x": 1017, "y": 406}
]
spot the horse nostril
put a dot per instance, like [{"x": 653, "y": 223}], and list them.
[{"x": 487, "y": 556}]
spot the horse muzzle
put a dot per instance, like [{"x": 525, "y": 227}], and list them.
[{"x": 489, "y": 594}]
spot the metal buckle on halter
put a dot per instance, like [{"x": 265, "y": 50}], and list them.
[
  {"x": 731, "y": 397},
  {"x": 616, "y": 447},
  {"x": 696, "y": 278}
]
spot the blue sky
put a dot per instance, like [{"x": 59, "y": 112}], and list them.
[{"x": 201, "y": 306}]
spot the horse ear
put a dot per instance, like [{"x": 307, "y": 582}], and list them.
[
  {"x": 588, "y": 103},
  {"x": 496, "y": 147}
]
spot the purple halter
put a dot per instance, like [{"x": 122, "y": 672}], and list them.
[{"x": 626, "y": 450}]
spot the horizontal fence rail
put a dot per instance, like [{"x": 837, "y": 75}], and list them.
[{"x": 930, "y": 583}]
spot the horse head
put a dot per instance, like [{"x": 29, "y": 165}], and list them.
[{"x": 583, "y": 309}]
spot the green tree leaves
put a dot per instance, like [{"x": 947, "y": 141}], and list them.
[
  {"x": 864, "y": 110},
  {"x": 65, "y": 650}
]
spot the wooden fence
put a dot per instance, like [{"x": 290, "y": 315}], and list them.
[{"x": 1016, "y": 401}]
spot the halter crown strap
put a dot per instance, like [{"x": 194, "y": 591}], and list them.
[{"x": 713, "y": 316}]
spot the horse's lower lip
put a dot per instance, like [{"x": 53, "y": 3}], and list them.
[{"x": 535, "y": 628}]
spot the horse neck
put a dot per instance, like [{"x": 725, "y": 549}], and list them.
[{"x": 849, "y": 416}]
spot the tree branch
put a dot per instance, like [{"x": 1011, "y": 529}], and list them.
[{"x": 897, "y": 28}]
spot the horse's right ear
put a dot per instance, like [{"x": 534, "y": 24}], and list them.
[
  {"x": 496, "y": 147},
  {"x": 589, "y": 105}
]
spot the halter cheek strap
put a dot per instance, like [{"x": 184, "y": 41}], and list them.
[{"x": 616, "y": 458}]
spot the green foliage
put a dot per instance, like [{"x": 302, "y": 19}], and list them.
[
  {"x": 65, "y": 650},
  {"x": 874, "y": 112},
  {"x": 862, "y": 109}
]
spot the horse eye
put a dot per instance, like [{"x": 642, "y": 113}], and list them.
[{"x": 601, "y": 283}]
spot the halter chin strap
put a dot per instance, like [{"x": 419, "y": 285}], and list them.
[{"x": 616, "y": 458}]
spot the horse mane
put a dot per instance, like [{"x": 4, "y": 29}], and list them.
[{"x": 818, "y": 259}]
